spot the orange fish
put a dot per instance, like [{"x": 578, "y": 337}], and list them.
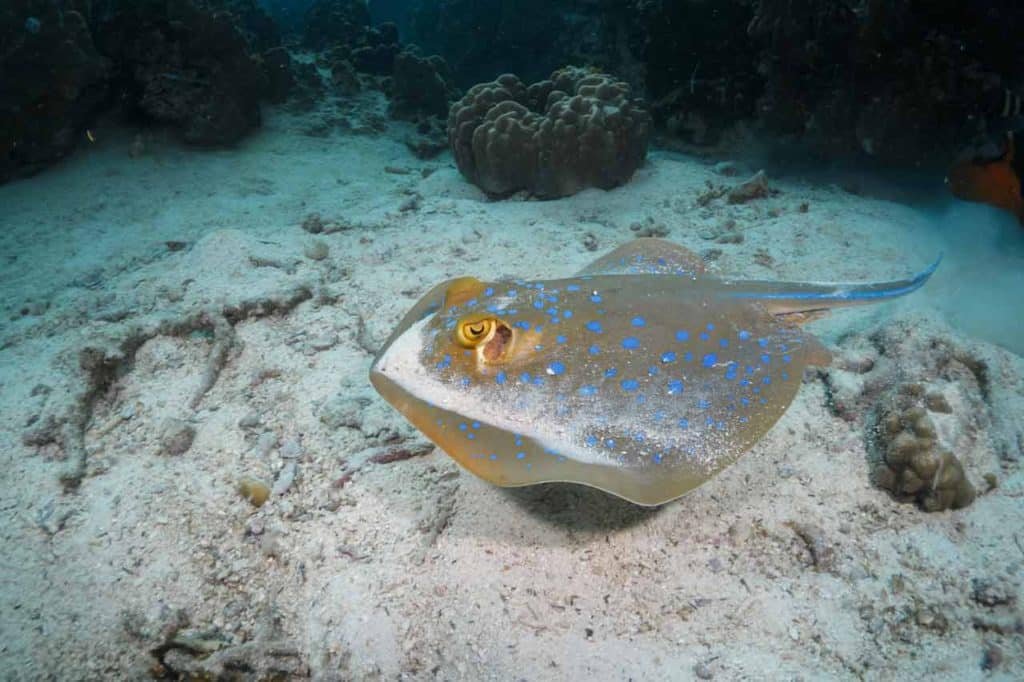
[{"x": 991, "y": 175}]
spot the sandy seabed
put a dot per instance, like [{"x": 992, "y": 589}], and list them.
[{"x": 169, "y": 329}]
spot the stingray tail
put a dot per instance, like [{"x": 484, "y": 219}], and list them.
[{"x": 803, "y": 297}]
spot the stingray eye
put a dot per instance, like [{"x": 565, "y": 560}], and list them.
[{"x": 471, "y": 333}]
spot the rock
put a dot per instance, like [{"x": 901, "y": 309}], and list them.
[
  {"x": 313, "y": 223},
  {"x": 323, "y": 342},
  {"x": 316, "y": 250},
  {"x": 335, "y": 22},
  {"x": 703, "y": 672},
  {"x": 185, "y": 65},
  {"x": 250, "y": 420},
  {"x": 176, "y": 436},
  {"x": 291, "y": 449},
  {"x": 936, "y": 402},
  {"x": 754, "y": 188},
  {"x": 992, "y": 657},
  {"x": 285, "y": 478},
  {"x": 344, "y": 77},
  {"x": 993, "y": 593},
  {"x": 649, "y": 228},
  {"x": 265, "y": 443},
  {"x": 55, "y": 82},
  {"x": 727, "y": 168},
  {"x": 341, "y": 411},
  {"x": 813, "y": 537},
  {"x": 279, "y": 81},
  {"x": 420, "y": 87}
]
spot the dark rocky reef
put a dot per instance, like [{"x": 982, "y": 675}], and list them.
[
  {"x": 532, "y": 38},
  {"x": 335, "y": 22},
  {"x": 575, "y": 130},
  {"x": 54, "y": 81},
  {"x": 186, "y": 65},
  {"x": 904, "y": 82},
  {"x": 420, "y": 87},
  {"x": 701, "y": 68},
  {"x": 200, "y": 67},
  {"x": 370, "y": 50}
]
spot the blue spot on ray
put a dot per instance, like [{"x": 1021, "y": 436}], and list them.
[{"x": 630, "y": 343}]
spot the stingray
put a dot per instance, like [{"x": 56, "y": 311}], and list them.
[{"x": 641, "y": 376}]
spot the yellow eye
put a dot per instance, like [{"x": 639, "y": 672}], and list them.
[{"x": 473, "y": 332}]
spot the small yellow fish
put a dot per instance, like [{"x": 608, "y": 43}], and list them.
[{"x": 641, "y": 376}]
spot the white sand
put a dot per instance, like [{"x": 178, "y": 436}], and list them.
[{"x": 416, "y": 568}]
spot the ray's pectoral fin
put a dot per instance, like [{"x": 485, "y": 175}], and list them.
[
  {"x": 431, "y": 302},
  {"x": 460, "y": 290},
  {"x": 817, "y": 355},
  {"x": 647, "y": 256}
]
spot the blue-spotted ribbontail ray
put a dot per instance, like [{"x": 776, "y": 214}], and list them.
[{"x": 641, "y": 376}]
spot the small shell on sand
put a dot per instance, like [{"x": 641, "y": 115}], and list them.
[
  {"x": 316, "y": 250},
  {"x": 255, "y": 491}
]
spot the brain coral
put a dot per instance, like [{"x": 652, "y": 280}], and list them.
[{"x": 575, "y": 130}]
